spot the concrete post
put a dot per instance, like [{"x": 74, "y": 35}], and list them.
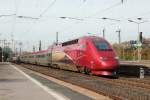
[{"x": 141, "y": 73}]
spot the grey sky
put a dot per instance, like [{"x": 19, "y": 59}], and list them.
[{"x": 30, "y": 31}]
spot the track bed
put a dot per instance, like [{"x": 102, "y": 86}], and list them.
[{"x": 118, "y": 89}]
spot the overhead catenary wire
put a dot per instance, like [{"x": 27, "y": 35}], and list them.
[
  {"x": 7, "y": 15},
  {"x": 141, "y": 15},
  {"x": 14, "y": 24},
  {"x": 84, "y": 0},
  {"x": 122, "y": 1},
  {"x": 104, "y": 10},
  {"x": 47, "y": 10},
  {"x": 41, "y": 15},
  {"x": 52, "y": 3},
  {"x": 15, "y": 16},
  {"x": 49, "y": 6}
]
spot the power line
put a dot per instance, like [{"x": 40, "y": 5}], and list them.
[
  {"x": 122, "y": 1},
  {"x": 14, "y": 21},
  {"x": 106, "y": 9},
  {"x": 27, "y": 17},
  {"x": 7, "y": 15},
  {"x": 40, "y": 16},
  {"x": 50, "y": 5},
  {"x": 74, "y": 18},
  {"x": 142, "y": 14},
  {"x": 84, "y": 1}
]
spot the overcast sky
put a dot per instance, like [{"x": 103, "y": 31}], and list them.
[{"x": 30, "y": 30}]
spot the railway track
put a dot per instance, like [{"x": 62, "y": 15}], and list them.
[
  {"x": 118, "y": 89},
  {"x": 145, "y": 81},
  {"x": 142, "y": 84}
]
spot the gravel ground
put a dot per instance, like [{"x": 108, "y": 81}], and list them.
[{"x": 119, "y": 89}]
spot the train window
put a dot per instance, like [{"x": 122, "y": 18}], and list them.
[
  {"x": 82, "y": 46},
  {"x": 102, "y": 45},
  {"x": 48, "y": 54},
  {"x": 70, "y": 42},
  {"x": 43, "y": 56}
]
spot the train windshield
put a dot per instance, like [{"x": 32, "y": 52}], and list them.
[{"x": 102, "y": 45}]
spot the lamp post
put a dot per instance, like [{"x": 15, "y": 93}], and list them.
[
  {"x": 56, "y": 38},
  {"x": 103, "y": 32},
  {"x": 119, "y": 37},
  {"x": 20, "y": 44},
  {"x": 119, "y": 34},
  {"x": 2, "y": 50},
  {"x": 112, "y": 19},
  {"x": 138, "y": 41},
  {"x": 3, "y": 46}
]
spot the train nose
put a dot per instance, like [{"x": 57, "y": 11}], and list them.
[
  {"x": 109, "y": 63},
  {"x": 103, "y": 58},
  {"x": 108, "y": 58}
]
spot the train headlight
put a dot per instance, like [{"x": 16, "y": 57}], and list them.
[
  {"x": 116, "y": 58},
  {"x": 103, "y": 58}
]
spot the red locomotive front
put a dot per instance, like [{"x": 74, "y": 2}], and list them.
[
  {"x": 97, "y": 56},
  {"x": 89, "y": 54}
]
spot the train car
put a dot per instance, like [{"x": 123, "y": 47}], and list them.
[
  {"x": 41, "y": 58},
  {"x": 38, "y": 58},
  {"x": 88, "y": 54},
  {"x": 14, "y": 59}
]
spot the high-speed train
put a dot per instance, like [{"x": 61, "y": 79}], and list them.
[{"x": 88, "y": 54}]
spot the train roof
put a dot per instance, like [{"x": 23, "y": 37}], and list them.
[
  {"x": 38, "y": 52},
  {"x": 92, "y": 37},
  {"x": 73, "y": 41},
  {"x": 84, "y": 37}
]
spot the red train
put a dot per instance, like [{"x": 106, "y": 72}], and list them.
[{"x": 88, "y": 54}]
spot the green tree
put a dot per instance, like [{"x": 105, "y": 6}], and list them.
[{"x": 6, "y": 53}]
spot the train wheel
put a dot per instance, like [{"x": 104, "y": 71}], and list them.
[
  {"x": 35, "y": 63},
  {"x": 81, "y": 69},
  {"x": 55, "y": 66},
  {"x": 115, "y": 75},
  {"x": 88, "y": 71}
]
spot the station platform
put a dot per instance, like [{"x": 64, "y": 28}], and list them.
[
  {"x": 145, "y": 63},
  {"x": 16, "y": 84},
  {"x": 135, "y": 68}
]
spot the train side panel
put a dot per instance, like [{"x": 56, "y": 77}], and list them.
[{"x": 82, "y": 54}]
